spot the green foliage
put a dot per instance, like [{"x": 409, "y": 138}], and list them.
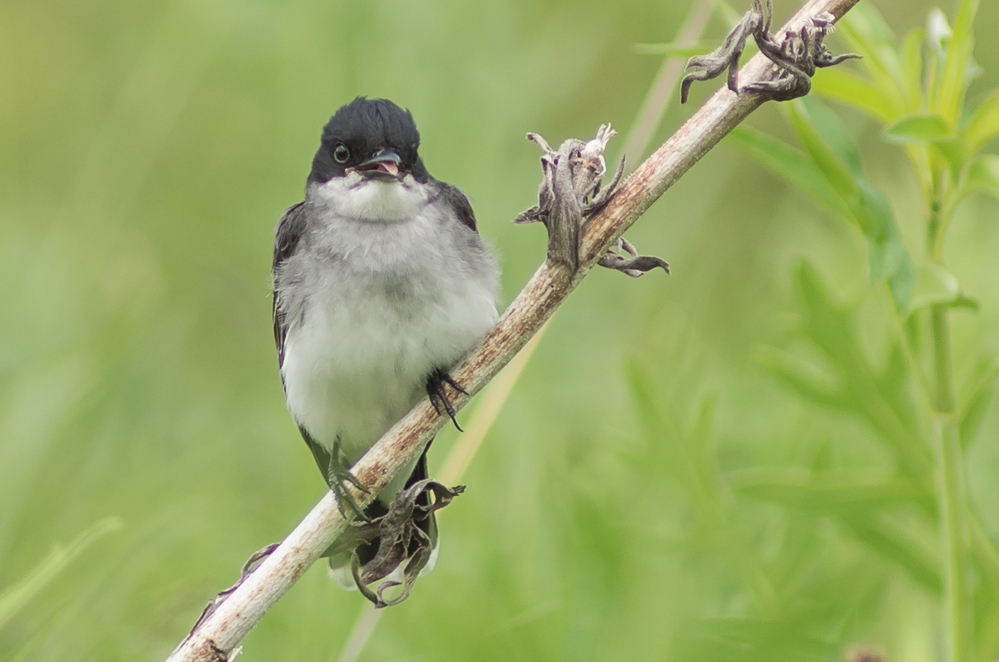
[
  {"x": 16, "y": 596},
  {"x": 914, "y": 89}
]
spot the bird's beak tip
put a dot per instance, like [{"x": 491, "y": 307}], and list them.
[{"x": 386, "y": 161}]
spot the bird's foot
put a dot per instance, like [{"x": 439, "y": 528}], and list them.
[
  {"x": 402, "y": 540},
  {"x": 338, "y": 474},
  {"x": 437, "y": 393}
]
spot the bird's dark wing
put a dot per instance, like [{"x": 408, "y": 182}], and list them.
[
  {"x": 454, "y": 197},
  {"x": 289, "y": 232}
]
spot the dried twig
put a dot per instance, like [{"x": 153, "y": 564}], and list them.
[{"x": 222, "y": 631}]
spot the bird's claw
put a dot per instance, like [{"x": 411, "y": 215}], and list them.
[
  {"x": 437, "y": 393},
  {"x": 401, "y": 536},
  {"x": 337, "y": 474}
]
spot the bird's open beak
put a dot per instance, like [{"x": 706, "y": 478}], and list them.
[{"x": 384, "y": 162}]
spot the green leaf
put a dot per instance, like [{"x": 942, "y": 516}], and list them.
[
  {"x": 805, "y": 379},
  {"x": 826, "y": 322},
  {"x": 888, "y": 258},
  {"x": 642, "y": 397},
  {"x": 15, "y": 596},
  {"x": 683, "y": 456},
  {"x": 828, "y": 325},
  {"x": 912, "y": 64},
  {"x": 850, "y": 499},
  {"x": 827, "y": 492},
  {"x": 869, "y": 36},
  {"x": 953, "y": 83},
  {"x": 981, "y": 176},
  {"x": 836, "y": 174},
  {"x": 889, "y": 542},
  {"x": 894, "y": 383},
  {"x": 975, "y": 409},
  {"x": 835, "y": 154},
  {"x": 839, "y": 138},
  {"x": 669, "y": 456},
  {"x": 918, "y": 128},
  {"x": 934, "y": 285},
  {"x": 700, "y": 438},
  {"x": 953, "y": 151},
  {"x": 791, "y": 164},
  {"x": 983, "y": 125},
  {"x": 847, "y": 87}
]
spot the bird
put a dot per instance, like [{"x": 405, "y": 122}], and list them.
[{"x": 381, "y": 284}]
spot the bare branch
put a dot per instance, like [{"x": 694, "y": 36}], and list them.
[{"x": 551, "y": 284}]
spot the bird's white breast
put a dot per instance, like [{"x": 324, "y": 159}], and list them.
[{"x": 379, "y": 302}]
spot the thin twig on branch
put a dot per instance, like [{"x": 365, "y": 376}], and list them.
[{"x": 222, "y": 631}]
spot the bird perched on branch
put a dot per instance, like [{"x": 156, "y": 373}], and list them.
[{"x": 381, "y": 284}]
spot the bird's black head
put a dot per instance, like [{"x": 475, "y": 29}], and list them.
[{"x": 372, "y": 136}]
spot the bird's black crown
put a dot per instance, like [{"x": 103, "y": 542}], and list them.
[{"x": 361, "y": 129}]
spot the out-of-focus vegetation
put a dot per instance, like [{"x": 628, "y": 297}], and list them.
[{"x": 742, "y": 461}]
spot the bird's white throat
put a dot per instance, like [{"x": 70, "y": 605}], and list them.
[{"x": 371, "y": 199}]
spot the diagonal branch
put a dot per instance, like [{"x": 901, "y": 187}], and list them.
[{"x": 222, "y": 631}]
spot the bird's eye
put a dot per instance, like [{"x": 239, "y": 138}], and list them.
[{"x": 341, "y": 153}]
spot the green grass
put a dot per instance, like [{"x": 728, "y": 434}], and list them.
[{"x": 736, "y": 462}]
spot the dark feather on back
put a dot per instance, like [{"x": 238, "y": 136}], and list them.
[{"x": 289, "y": 232}]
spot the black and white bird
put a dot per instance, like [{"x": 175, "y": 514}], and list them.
[{"x": 381, "y": 284}]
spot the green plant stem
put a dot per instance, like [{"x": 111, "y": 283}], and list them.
[
  {"x": 986, "y": 640},
  {"x": 950, "y": 494},
  {"x": 942, "y": 360},
  {"x": 951, "y": 500}
]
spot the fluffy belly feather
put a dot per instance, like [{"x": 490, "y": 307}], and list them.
[{"x": 356, "y": 364}]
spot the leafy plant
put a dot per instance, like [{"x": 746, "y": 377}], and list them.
[
  {"x": 915, "y": 88},
  {"x": 13, "y": 598}
]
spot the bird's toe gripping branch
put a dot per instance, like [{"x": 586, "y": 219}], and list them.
[
  {"x": 401, "y": 539},
  {"x": 797, "y": 55},
  {"x": 571, "y": 192},
  {"x": 437, "y": 393},
  {"x": 338, "y": 474}
]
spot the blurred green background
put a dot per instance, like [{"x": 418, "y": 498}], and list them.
[{"x": 146, "y": 153}]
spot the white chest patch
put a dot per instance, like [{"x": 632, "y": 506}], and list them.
[{"x": 373, "y": 200}]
